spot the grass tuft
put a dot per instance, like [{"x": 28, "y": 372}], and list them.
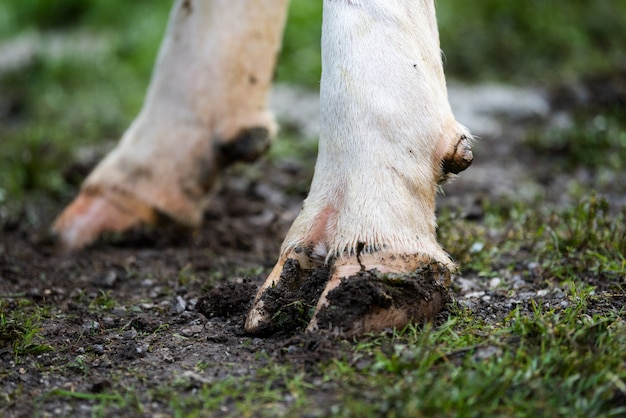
[{"x": 20, "y": 328}]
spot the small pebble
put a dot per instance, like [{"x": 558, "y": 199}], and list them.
[
  {"x": 119, "y": 311},
  {"x": 108, "y": 321},
  {"x": 465, "y": 284},
  {"x": 477, "y": 247},
  {"x": 526, "y": 296},
  {"x": 180, "y": 305},
  {"x": 131, "y": 334},
  {"x": 109, "y": 278},
  {"x": 192, "y": 330},
  {"x": 518, "y": 282},
  {"x": 466, "y": 303}
]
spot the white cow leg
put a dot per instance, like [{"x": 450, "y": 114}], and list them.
[
  {"x": 205, "y": 108},
  {"x": 363, "y": 249}
]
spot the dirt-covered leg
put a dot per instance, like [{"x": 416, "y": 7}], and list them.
[
  {"x": 205, "y": 108},
  {"x": 388, "y": 137}
]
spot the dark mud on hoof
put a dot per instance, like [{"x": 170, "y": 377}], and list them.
[
  {"x": 290, "y": 304},
  {"x": 372, "y": 301}
]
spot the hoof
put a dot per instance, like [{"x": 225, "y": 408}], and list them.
[
  {"x": 93, "y": 213},
  {"x": 349, "y": 295}
]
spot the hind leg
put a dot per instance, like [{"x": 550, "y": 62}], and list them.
[{"x": 205, "y": 108}]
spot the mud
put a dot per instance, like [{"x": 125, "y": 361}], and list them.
[
  {"x": 290, "y": 304},
  {"x": 228, "y": 299},
  {"x": 370, "y": 300}
]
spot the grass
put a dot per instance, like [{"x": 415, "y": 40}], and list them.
[
  {"x": 538, "y": 40},
  {"x": 548, "y": 364},
  {"x": 21, "y": 327}
]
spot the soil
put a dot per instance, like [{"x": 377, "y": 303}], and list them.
[{"x": 145, "y": 309}]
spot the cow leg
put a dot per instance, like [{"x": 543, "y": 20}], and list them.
[
  {"x": 366, "y": 232},
  {"x": 205, "y": 108}
]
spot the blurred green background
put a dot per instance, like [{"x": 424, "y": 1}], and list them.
[{"x": 75, "y": 71}]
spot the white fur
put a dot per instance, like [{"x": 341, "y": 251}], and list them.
[{"x": 386, "y": 124}]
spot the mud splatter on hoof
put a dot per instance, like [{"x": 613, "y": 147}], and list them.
[
  {"x": 290, "y": 303},
  {"x": 371, "y": 301}
]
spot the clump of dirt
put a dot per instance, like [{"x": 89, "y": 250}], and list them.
[
  {"x": 228, "y": 299},
  {"x": 370, "y": 300}
]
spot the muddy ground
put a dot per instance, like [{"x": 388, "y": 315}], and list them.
[{"x": 143, "y": 311}]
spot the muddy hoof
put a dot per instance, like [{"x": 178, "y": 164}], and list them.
[
  {"x": 348, "y": 295},
  {"x": 371, "y": 301},
  {"x": 92, "y": 214}
]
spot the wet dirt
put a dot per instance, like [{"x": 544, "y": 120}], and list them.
[
  {"x": 290, "y": 303},
  {"x": 371, "y": 300},
  {"x": 143, "y": 311}
]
